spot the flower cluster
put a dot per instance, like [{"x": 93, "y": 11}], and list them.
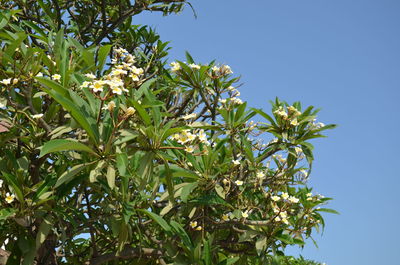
[
  {"x": 194, "y": 226},
  {"x": 289, "y": 115},
  {"x": 123, "y": 69},
  {"x": 188, "y": 138}
]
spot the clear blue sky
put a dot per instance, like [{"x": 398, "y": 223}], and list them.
[{"x": 340, "y": 55}]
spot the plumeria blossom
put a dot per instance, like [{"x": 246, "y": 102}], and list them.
[
  {"x": 293, "y": 199},
  {"x": 56, "y": 77},
  {"x": 175, "y": 66},
  {"x": 97, "y": 86},
  {"x": 37, "y": 116},
  {"x": 130, "y": 111},
  {"x": 285, "y": 195},
  {"x": 86, "y": 84},
  {"x": 194, "y": 66},
  {"x": 189, "y": 116},
  {"x": 189, "y": 149},
  {"x": 236, "y": 162},
  {"x": 260, "y": 174},
  {"x": 239, "y": 182},
  {"x": 275, "y": 198},
  {"x": 225, "y": 217},
  {"x": 193, "y": 224},
  {"x": 9, "y": 197},
  {"x": 110, "y": 106},
  {"x": 6, "y": 81},
  {"x": 90, "y": 75},
  {"x": 245, "y": 214}
]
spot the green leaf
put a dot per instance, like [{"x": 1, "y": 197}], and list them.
[
  {"x": 6, "y": 213},
  {"x": 102, "y": 55},
  {"x": 327, "y": 210},
  {"x": 182, "y": 234},
  {"x": 44, "y": 230},
  {"x": 122, "y": 163},
  {"x": 220, "y": 191},
  {"x": 186, "y": 190},
  {"x": 96, "y": 171},
  {"x": 81, "y": 117},
  {"x": 261, "y": 244},
  {"x": 69, "y": 174},
  {"x": 158, "y": 219},
  {"x": 63, "y": 145},
  {"x": 142, "y": 113},
  {"x": 111, "y": 176}
]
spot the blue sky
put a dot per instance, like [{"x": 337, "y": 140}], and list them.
[{"x": 341, "y": 56}]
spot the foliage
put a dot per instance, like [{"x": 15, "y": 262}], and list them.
[{"x": 110, "y": 156}]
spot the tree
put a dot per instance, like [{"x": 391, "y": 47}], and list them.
[{"x": 112, "y": 156}]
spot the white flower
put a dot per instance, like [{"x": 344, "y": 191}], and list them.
[
  {"x": 189, "y": 149},
  {"x": 226, "y": 69},
  {"x": 85, "y": 84},
  {"x": 193, "y": 224},
  {"x": 129, "y": 111},
  {"x": 277, "y": 219},
  {"x": 134, "y": 77},
  {"x": 194, "y": 66},
  {"x": 237, "y": 101},
  {"x": 6, "y": 81},
  {"x": 1, "y": 183},
  {"x": 260, "y": 174},
  {"x": 275, "y": 198},
  {"x": 189, "y": 116},
  {"x": 236, "y": 162},
  {"x": 56, "y": 77},
  {"x": 225, "y": 217},
  {"x": 37, "y": 116},
  {"x": 285, "y": 196},
  {"x": 116, "y": 90},
  {"x": 294, "y": 122},
  {"x": 118, "y": 72},
  {"x": 239, "y": 182},
  {"x": 40, "y": 74},
  {"x": 110, "y": 106},
  {"x": 215, "y": 68},
  {"x": 175, "y": 66},
  {"x": 202, "y": 136},
  {"x": 309, "y": 194},
  {"x": 97, "y": 86},
  {"x": 284, "y": 220},
  {"x": 293, "y": 199},
  {"x": 283, "y": 214},
  {"x": 199, "y": 228},
  {"x": 90, "y": 75},
  {"x": 245, "y": 214},
  {"x": 9, "y": 197}
]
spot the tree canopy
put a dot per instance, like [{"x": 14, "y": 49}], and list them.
[{"x": 112, "y": 155}]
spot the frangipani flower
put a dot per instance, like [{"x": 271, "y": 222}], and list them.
[
  {"x": 9, "y": 197},
  {"x": 245, "y": 214},
  {"x": 175, "y": 66},
  {"x": 236, "y": 162},
  {"x": 285, "y": 196},
  {"x": 193, "y": 224},
  {"x": 275, "y": 198},
  {"x": 6, "y": 81},
  {"x": 239, "y": 182},
  {"x": 37, "y": 116},
  {"x": 56, "y": 77}
]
